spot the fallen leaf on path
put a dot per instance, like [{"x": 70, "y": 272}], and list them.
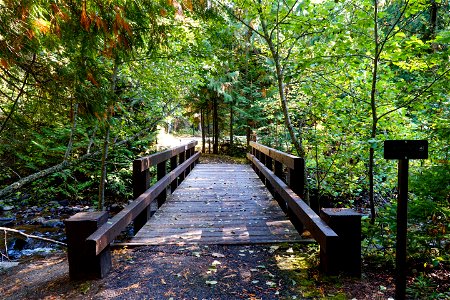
[
  {"x": 271, "y": 283},
  {"x": 218, "y": 255}
]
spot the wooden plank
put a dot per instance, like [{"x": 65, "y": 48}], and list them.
[
  {"x": 228, "y": 241},
  {"x": 216, "y": 224},
  {"x": 218, "y": 232},
  {"x": 109, "y": 231},
  {"x": 218, "y": 204}
]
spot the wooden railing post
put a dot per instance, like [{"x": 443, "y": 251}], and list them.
[
  {"x": 269, "y": 165},
  {"x": 346, "y": 255},
  {"x": 295, "y": 182},
  {"x": 141, "y": 183},
  {"x": 256, "y": 154},
  {"x": 259, "y": 155},
  {"x": 83, "y": 261},
  {"x": 182, "y": 159},
  {"x": 188, "y": 154},
  {"x": 295, "y": 177},
  {"x": 278, "y": 171},
  {"x": 161, "y": 171},
  {"x": 173, "y": 165}
]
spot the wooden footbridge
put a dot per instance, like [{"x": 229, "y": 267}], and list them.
[{"x": 193, "y": 203}]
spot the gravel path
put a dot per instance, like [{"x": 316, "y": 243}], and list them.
[{"x": 193, "y": 272}]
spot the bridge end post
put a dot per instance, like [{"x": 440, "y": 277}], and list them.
[
  {"x": 345, "y": 255},
  {"x": 83, "y": 261}
]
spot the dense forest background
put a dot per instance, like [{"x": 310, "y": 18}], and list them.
[{"x": 84, "y": 85}]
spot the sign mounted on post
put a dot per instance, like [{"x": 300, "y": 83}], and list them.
[
  {"x": 406, "y": 149},
  {"x": 403, "y": 150}
]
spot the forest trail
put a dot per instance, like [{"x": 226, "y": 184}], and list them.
[{"x": 168, "y": 140}]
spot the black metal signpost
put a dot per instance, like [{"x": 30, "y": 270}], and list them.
[{"x": 403, "y": 151}]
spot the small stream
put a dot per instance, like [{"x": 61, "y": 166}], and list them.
[{"x": 45, "y": 222}]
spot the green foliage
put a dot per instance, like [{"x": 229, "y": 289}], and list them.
[
  {"x": 174, "y": 62},
  {"x": 428, "y": 234},
  {"x": 431, "y": 183}
]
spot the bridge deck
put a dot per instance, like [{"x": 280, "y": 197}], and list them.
[{"x": 218, "y": 204}]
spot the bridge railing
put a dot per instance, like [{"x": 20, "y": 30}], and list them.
[
  {"x": 89, "y": 234},
  {"x": 338, "y": 231}
]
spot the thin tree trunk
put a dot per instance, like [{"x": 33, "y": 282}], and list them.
[
  {"x": 202, "y": 120},
  {"x": 21, "y": 91},
  {"x": 91, "y": 140},
  {"x": 231, "y": 124},
  {"x": 374, "y": 115},
  {"x": 296, "y": 141},
  {"x": 216, "y": 126},
  {"x": 72, "y": 132},
  {"x": 209, "y": 133},
  {"x": 101, "y": 192}
]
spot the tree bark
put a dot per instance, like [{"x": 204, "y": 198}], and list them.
[
  {"x": 72, "y": 132},
  {"x": 202, "y": 120},
  {"x": 21, "y": 91},
  {"x": 209, "y": 132},
  {"x": 101, "y": 192},
  {"x": 373, "y": 106},
  {"x": 296, "y": 141},
  {"x": 231, "y": 124},
  {"x": 216, "y": 126},
  {"x": 91, "y": 140}
]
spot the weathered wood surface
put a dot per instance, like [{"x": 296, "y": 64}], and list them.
[{"x": 218, "y": 204}]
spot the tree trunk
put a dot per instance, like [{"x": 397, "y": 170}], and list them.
[
  {"x": 101, "y": 192},
  {"x": 202, "y": 120},
  {"x": 296, "y": 141},
  {"x": 430, "y": 33},
  {"x": 374, "y": 115},
  {"x": 72, "y": 132},
  {"x": 216, "y": 126},
  {"x": 208, "y": 128},
  {"x": 21, "y": 91},
  {"x": 91, "y": 140},
  {"x": 231, "y": 124}
]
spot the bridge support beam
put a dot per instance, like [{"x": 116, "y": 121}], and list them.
[
  {"x": 344, "y": 255},
  {"x": 83, "y": 263}
]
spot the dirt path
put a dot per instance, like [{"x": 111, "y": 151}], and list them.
[{"x": 193, "y": 272}]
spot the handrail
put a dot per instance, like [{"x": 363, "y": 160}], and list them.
[
  {"x": 338, "y": 231},
  {"x": 289, "y": 160},
  {"x": 294, "y": 164},
  {"x": 89, "y": 234},
  {"x": 104, "y": 235},
  {"x": 146, "y": 162},
  {"x": 318, "y": 228}
]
